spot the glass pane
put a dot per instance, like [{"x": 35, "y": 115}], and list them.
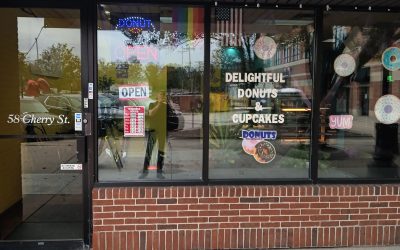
[
  {"x": 360, "y": 107},
  {"x": 40, "y": 180},
  {"x": 150, "y": 78},
  {"x": 40, "y": 200},
  {"x": 261, "y": 89},
  {"x": 40, "y": 61}
]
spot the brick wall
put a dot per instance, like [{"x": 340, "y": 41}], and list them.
[{"x": 226, "y": 217}]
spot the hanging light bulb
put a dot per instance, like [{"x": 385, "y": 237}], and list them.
[{"x": 216, "y": 3}]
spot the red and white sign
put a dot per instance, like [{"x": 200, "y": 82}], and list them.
[
  {"x": 134, "y": 121},
  {"x": 340, "y": 121}
]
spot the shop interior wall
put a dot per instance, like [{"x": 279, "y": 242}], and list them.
[{"x": 10, "y": 154}]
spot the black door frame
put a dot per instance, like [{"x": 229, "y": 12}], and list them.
[{"x": 86, "y": 139}]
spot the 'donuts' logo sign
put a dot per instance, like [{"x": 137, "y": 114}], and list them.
[{"x": 254, "y": 143}]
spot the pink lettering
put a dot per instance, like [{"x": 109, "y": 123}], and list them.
[
  {"x": 144, "y": 53},
  {"x": 340, "y": 121}
]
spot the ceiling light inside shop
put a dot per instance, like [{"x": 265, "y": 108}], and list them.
[
  {"x": 285, "y": 22},
  {"x": 331, "y": 40},
  {"x": 166, "y": 19}
]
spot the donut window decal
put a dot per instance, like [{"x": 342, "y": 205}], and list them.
[
  {"x": 391, "y": 59},
  {"x": 255, "y": 143},
  {"x": 387, "y": 109}
]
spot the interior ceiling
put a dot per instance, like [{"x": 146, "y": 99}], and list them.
[{"x": 345, "y": 3}]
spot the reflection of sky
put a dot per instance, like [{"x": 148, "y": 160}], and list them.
[
  {"x": 29, "y": 28},
  {"x": 111, "y": 44},
  {"x": 112, "y": 48}
]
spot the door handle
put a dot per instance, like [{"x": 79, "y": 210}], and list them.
[{"x": 88, "y": 121}]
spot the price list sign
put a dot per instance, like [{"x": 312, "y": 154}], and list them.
[{"x": 134, "y": 121}]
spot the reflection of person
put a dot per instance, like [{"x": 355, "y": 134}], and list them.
[{"x": 157, "y": 133}]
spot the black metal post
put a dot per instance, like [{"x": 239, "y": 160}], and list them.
[{"x": 317, "y": 81}]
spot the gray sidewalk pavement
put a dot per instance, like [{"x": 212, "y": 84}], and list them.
[{"x": 356, "y": 248}]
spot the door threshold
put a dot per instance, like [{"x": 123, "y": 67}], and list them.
[{"x": 73, "y": 244}]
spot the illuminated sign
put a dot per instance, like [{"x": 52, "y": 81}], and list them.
[
  {"x": 135, "y": 25},
  {"x": 142, "y": 52},
  {"x": 390, "y": 78}
]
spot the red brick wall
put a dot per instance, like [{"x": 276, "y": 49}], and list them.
[{"x": 226, "y": 217}]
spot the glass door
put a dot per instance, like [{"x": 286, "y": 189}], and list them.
[{"x": 40, "y": 125}]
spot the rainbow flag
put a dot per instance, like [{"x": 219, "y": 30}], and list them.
[{"x": 189, "y": 21}]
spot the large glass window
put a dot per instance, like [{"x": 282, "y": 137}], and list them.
[
  {"x": 360, "y": 107},
  {"x": 261, "y": 89},
  {"x": 150, "y": 78}
]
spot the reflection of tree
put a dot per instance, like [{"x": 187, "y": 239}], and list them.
[
  {"x": 60, "y": 55},
  {"x": 108, "y": 70},
  {"x": 184, "y": 78},
  {"x": 58, "y": 64},
  {"x": 224, "y": 143},
  {"x": 24, "y": 72},
  {"x": 163, "y": 39},
  {"x": 153, "y": 75},
  {"x": 104, "y": 83}
]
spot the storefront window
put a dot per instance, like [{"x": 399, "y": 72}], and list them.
[
  {"x": 261, "y": 89},
  {"x": 360, "y": 107},
  {"x": 150, "y": 78}
]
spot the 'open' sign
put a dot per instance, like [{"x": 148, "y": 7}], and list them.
[{"x": 133, "y": 92}]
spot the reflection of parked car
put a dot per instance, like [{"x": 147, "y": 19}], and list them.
[
  {"x": 66, "y": 104},
  {"x": 110, "y": 112},
  {"x": 109, "y": 107},
  {"x": 61, "y": 104}
]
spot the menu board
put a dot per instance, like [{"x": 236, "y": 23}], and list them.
[{"x": 134, "y": 121}]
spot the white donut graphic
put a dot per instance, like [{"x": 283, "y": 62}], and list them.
[
  {"x": 265, "y": 47},
  {"x": 387, "y": 109},
  {"x": 344, "y": 65}
]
